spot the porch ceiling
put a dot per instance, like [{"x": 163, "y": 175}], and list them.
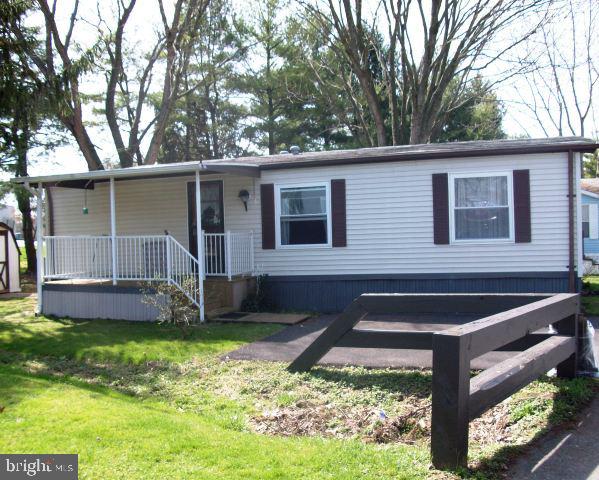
[{"x": 87, "y": 179}]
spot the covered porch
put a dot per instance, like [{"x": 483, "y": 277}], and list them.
[{"x": 124, "y": 228}]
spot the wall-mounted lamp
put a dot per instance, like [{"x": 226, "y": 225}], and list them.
[
  {"x": 244, "y": 196},
  {"x": 85, "y": 209}
]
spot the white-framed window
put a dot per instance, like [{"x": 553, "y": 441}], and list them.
[
  {"x": 590, "y": 221},
  {"x": 481, "y": 207},
  {"x": 585, "y": 221},
  {"x": 303, "y": 217}
]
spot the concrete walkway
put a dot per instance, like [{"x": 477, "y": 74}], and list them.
[{"x": 564, "y": 455}]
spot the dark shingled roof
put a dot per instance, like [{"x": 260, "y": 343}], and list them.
[
  {"x": 590, "y": 185},
  {"x": 251, "y": 166},
  {"x": 420, "y": 152}
]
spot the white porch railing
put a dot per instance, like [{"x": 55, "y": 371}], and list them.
[
  {"x": 228, "y": 254},
  {"x": 147, "y": 258}
]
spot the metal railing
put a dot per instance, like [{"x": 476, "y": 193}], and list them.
[
  {"x": 147, "y": 258},
  {"x": 229, "y": 254},
  {"x": 81, "y": 257}
]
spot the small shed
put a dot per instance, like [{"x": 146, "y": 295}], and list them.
[{"x": 9, "y": 260}]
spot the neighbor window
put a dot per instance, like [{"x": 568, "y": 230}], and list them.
[
  {"x": 481, "y": 207},
  {"x": 586, "y": 224},
  {"x": 303, "y": 215}
]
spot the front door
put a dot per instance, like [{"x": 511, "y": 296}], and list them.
[
  {"x": 3, "y": 261},
  {"x": 213, "y": 214}
]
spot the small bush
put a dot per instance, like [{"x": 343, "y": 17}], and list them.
[
  {"x": 258, "y": 301},
  {"x": 173, "y": 306}
]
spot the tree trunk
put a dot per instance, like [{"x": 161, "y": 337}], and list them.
[
  {"x": 76, "y": 127},
  {"x": 24, "y": 204},
  {"x": 23, "y": 196},
  {"x": 374, "y": 106},
  {"x": 271, "y": 111},
  {"x": 393, "y": 101},
  {"x": 271, "y": 124},
  {"x": 214, "y": 124}
]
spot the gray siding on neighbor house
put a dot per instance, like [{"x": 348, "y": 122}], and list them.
[
  {"x": 88, "y": 301},
  {"x": 334, "y": 293}
]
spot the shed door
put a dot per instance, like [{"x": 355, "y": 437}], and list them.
[{"x": 3, "y": 261}]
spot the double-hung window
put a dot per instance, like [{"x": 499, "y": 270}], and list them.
[
  {"x": 590, "y": 219},
  {"x": 481, "y": 207},
  {"x": 303, "y": 215},
  {"x": 586, "y": 224}
]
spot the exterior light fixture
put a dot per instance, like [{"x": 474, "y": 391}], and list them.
[
  {"x": 85, "y": 209},
  {"x": 244, "y": 196}
]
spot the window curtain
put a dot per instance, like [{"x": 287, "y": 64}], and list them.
[{"x": 481, "y": 208}]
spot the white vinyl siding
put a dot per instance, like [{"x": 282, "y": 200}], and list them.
[
  {"x": 390, "y": 221},
  {"x": 389, "y": 217}
]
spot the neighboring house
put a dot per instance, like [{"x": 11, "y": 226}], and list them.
[
  {"x": 590, "y": 217},
  {"x": 7, "y": 215},
  {"x": 484, "y": 216}
]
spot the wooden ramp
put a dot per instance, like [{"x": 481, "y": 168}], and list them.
[{"x": 282, "y": 318}]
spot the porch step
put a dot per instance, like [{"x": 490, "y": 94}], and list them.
[
  {"x": 215, "y": 313},
  {"x": 221, "y": 293}
]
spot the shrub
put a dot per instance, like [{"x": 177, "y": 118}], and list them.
[
  {"x": 258, "y": 301},
  {"x": 173, "y": 306}
]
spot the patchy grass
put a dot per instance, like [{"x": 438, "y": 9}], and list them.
[
  {"x": 122, "y": 437},
  {"x": 590, "y": 302},
  {"x": 118, "y": 341},
  {"x": 28, "y": 281},
  {"x": 136, "y": 400}
]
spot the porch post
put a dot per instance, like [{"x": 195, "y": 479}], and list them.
[
  {"x": 113, "y": 231},
  {"x": 39, "y": 254},
  {"x": 199, "y": 235}
]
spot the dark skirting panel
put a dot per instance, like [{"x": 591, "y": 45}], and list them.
[{"x": 332, "y": 293}]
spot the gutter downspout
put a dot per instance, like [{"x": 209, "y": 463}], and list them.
[{"x": 571, "y": 253}]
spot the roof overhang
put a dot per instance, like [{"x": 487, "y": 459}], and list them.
[
  {"x": 88, "y": 179},
  {"x": 590, "y": 194}
]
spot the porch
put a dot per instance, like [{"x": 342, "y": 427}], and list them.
[
  {"x": 89, "y": 266},
  {"x": 126, "y": 227},
  {"x": 145, "y": 257}
]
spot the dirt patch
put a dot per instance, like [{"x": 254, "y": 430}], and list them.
[
  {"x": 496, "y": 426},
  {"x": 330, "y": 420},
  {"x": 314, "y": 420}
]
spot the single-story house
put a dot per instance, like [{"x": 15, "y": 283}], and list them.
[
  {"x": 481, "y": 216},
  {"x": 590, "y": 217}
]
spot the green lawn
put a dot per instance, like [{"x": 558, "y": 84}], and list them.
[
  {"x": 137, "y": 400},
  {"x": 121, "y": 437},
  {"x": 106, "y": 340},
  {"x": 590, "y": 303}
]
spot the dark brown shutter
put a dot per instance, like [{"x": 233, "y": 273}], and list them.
[
  {"x": 522, "y": 206},
  {"x": 338, "y": 213},
  {"x": 440, "y": 209},
  {"x": 267, "y": 204}
]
